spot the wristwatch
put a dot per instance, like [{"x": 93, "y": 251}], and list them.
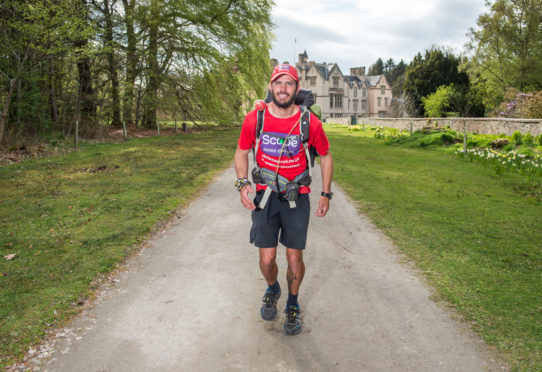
[{"x": 327, "y": 195}]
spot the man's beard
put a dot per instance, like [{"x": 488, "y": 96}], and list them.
[{"x": 285, "y": 104}]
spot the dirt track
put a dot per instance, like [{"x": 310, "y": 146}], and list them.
[{"x": 190, "y": 302}]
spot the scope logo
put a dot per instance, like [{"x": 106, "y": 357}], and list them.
[{"x": 272, "y": 144}]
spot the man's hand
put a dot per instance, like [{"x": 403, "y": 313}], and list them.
[
  {"x": 323, "y": 206},
  {"x": 245, "y": 199}
]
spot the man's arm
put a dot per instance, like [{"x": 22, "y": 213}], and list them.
[
  {"x": 326, "y": 166},
  {"x": 241, "y": 169}
]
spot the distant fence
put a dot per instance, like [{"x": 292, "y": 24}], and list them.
[{"x": 473, "y": 125}]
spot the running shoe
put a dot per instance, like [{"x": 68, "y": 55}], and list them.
[
  {"x": 269, "y": 305},
  {"x": 292, "y": 324}
]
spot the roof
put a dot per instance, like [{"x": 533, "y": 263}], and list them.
[
  {"x": 351, "y": 80},
  {"x": 322, "y": 70},
  {"x": 373, "y": 80}
]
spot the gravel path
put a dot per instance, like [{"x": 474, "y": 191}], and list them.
[{"x": 190, "y": 302}]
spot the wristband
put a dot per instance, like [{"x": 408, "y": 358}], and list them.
[
  {"x": 241, "y": 182},
  {"x": 327, "y": 195}
]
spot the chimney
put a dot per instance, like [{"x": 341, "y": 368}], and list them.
[{"x": 357, "y": 71}]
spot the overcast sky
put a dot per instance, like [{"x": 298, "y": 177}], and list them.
[{"x": 355, "y": 33}]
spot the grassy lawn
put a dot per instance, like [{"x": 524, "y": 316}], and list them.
[
  {"x": 475, "y": 234},
  {"x": 67, "y": 219}
]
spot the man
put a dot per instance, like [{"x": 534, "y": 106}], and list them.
[{"x": 281, "y": 153}]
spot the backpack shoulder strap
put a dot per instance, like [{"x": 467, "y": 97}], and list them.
[
  {"x": 259, "y": 123},
  {"x": 304, "y": 130},
  {"x": 259, "y": 127},
  {"x": 305, "y": 124}
]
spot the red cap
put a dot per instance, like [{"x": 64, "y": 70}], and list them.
[{"x": 285, "y": 69}]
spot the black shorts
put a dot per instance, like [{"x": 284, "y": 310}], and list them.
[{"x": 277, "y": 218}]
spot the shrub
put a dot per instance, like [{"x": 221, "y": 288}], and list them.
[
  {"x": 517, "y": 137},
  {"x": 445, "y": 139},
  {"x": 528, "y": 139},
  {"x": 508, "y": 147},
  {"x": 435, "y": 104},
  {"x": 517, "y": 104}
]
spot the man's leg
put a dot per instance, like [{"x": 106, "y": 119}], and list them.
[
  {"x": 269, "y": 269},
  {"x": 294, "y": 276},
  {"x": 268, "y": 264},
  {"x": 296, "y": 270}
]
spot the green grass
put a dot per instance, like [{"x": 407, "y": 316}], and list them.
[
  {"x": 476, "y": 235},
  {"x": 68, "y": 220}
]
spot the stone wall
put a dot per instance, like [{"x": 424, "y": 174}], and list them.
[{"x": 473, "y": 125}]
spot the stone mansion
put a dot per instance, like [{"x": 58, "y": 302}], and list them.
[{"x": 344, "y": 97}]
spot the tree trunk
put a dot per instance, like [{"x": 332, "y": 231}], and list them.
[
  {"x": 151, "y": 95},
  {"x": 7, "y": 102},
  {"x": 87, "y": 110},
  {"x": 113, "y": 74},
  {"x": 52, "y": 94},
  {"x": 131, "y": 61}
]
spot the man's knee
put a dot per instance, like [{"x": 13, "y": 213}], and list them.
[
  {"x": 267, "y": 257},
  {"x": 294, "y": 257}
]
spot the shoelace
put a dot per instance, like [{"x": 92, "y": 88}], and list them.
[
  {"x": 268, "y": 298},
  {"x": 291, "y": 314}
]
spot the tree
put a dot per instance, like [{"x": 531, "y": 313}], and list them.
[
  {"x": 132, "y": 56},
  {"x": 376, "y": 68},
  {"x": 436, "y": 104},
  {"x": 32, "y": 35},
  {"x": 507, "y": 48},
  {"x": 425, "y": 74},
  {"x": 199, "y": 37},
  {"x": 62, "y": 59},
  {"x": 394, "y": 73},
  {"x": 106, "y": 8},
  {"x": 86, "y": 102}
]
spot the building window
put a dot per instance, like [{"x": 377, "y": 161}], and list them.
[
  {"x": 383, "y": 89},
  {"x": 355, "y": 92},
  {"x": 364, "y": 105},
  {"x": 386, "y": 101},
  {"x": 335, "y": 100},
  {"x": 335, "y": 81},
  {"x": 312, "y": 80},
  {"x": 364, "y": 92},
  {"x": 355, "y": 105},
  {"x": 379, "y": 101}
]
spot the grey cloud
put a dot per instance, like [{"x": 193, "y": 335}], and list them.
[
  {"x": 295, "y": 28},
  {"x": 377, "y": 37}
]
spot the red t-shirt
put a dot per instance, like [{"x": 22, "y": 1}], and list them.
[{"x": 293, "y": 160}]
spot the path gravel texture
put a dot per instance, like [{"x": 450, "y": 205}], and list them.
[{"x": 190, "y": 302}]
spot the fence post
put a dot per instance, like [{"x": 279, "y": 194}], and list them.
[
  {"x": 175, "y": 125},
  {"x": 158, "y": 127},
  {"x": 124, "y": 129},
  {"x": 76, "y": 132},
  {"x": 464, "y": 138}
]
